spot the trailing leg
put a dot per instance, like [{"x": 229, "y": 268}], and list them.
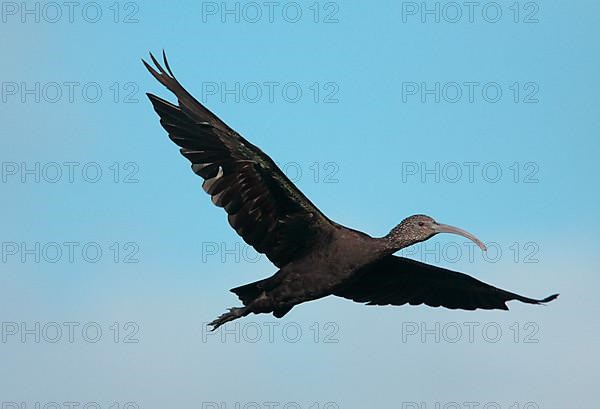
[{"x": 232, "y": 314}]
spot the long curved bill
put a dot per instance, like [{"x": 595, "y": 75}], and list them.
[{"x": 444, "y": 228}]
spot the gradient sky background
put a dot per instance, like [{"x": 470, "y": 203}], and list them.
[{"x": 368, "y": 134}]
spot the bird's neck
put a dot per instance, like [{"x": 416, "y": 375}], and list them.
[{"x": 392, "y": 242}]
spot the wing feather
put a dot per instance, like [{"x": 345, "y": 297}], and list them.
[
  {"x": 264, "y": 207},
  {"x": 398, "y": 281}
]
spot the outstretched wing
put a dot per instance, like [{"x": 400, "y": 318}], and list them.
[
  {"x": 264, "y": 206},
  {"x": 398, "y": 280}
]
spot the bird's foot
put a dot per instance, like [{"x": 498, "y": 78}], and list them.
[{"x": 230, "y": 315}]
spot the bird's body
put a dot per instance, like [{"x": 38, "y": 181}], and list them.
[
  {"x": 337, "y": 257},
  {"x": 316, "y": 256}
]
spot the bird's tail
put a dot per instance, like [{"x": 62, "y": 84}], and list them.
[
  {"x": 249, "y": 292},
  {"x": 253, "y": 296}
]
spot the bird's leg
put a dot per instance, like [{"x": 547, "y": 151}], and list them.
[{"x": 232, "y": 314}]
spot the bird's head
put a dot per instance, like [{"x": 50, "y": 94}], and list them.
[{"x": 418, "y": 228}]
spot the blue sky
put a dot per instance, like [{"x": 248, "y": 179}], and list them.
[{"x": 116, "y": 229}]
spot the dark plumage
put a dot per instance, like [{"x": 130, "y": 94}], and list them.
[{"x": 316, "y": 257}]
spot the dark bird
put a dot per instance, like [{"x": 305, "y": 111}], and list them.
[{"x": 316, "y": 256}]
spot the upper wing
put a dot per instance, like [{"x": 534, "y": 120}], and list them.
[
  {"x": 263, "y": 205},
  {"x": 398, "y": 280}
]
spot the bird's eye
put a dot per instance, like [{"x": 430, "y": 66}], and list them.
[{"x": 421, "y": 224}]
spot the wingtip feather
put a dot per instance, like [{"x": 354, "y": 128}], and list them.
[
  {"x": 167, "y": 63},
  {"x": 153, "y": 59},
  {"x": 153, "y": 98},
  {"x": 152, "y": 71},
  {"x": 550, "y": 298},
  {"x": 157, "y": 64}
]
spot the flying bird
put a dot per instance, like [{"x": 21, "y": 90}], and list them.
[{"x": 316, "y": 256}]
